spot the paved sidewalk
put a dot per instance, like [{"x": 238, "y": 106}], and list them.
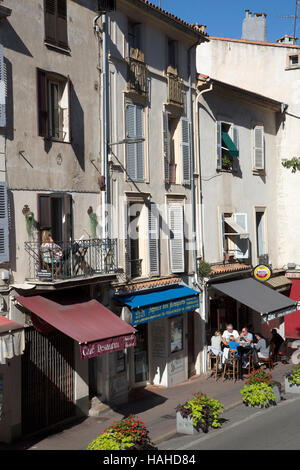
[{"x": 154, "y": 405}]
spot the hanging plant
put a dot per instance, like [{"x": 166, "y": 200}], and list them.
[
  {"x": 30, "y": 222},
  {"x": 293, "y": 163},
  {"x": 93, "y": 221}
]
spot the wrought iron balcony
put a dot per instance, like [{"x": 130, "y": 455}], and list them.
[
  {"x": 175, "y": 89},
  {"x": 67, "y": 260},
  {"x": 137, "y": 76}
]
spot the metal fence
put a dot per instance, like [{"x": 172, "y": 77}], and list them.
[{"x": 67, "y": 260}]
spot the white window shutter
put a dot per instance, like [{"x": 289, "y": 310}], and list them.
[
  {"x": 223, "y": 235},
  {"x": 4, "y": 238},
  {"x": 153, "y": 239},
  {"x": 166, "y": 147},
  {"x": 2, "y": 90},
  {"x": 186, "y": 150},
  {"x": 242, "y": 244},
  {"x": 176, "y": 238},
  {"x": 259, "y": 151},
  {"x": 127, "y": 265},
  {"x": 135, "y": 150},
  {"x": 219, "y": 145},
  {"x": 140, "y": 173},
  {"x": 235, "y": 136}
]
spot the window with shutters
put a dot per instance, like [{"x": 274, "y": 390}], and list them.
[
  {"x": 55, "y": 214},
  {"x": 172, "y": 56},
  {"x": 135, "y": 151},
  {"x": 53, "y": 106},
  {"x": 258, "y": 148},
  {"x": 176, "y": 237},
  {"x": 135, "y": 41},
  {"x": 261, "y": 243},
  {"x": 227, "y": 146},
  {"x": 56, "y": 25},
  {"x": 176, "y": 149},
  {"x": 235, "y": 238}
]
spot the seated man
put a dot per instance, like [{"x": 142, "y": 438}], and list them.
[{"x": 227, "y": 333}]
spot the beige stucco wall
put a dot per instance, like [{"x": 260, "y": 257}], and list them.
[{"x": 263, "y": 69}]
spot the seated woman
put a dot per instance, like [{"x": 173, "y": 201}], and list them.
[
  {"x": 216, "y": 340},
  {"x": 261, "y": 346},
  {"x": 51, "y": 252}
]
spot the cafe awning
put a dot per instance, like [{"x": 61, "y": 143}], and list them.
[
  {"x": 255, "y": 295},
  {"x": 159, "y": 303},
  {"x": 12, "y": 339},
  {"x": 91, "y": 324}
]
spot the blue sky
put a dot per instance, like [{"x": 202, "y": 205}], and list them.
[{"x": 224, "y": 17}]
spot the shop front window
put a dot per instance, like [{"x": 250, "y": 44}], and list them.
[
  {"x": 141, "y": 354},
  {"x": 176, "y": 334}
]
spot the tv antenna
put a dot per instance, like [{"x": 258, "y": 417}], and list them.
[{"x": 296, "y": 17}]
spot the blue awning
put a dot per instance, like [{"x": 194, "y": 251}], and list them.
[{"x": 160, "y": 303}]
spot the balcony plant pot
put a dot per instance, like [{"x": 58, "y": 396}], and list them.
[
  {"x": 185, "y": 425},
  {"x": 291, "y": 388}
]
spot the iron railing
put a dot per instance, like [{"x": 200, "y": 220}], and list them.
[{"x": 66, "y": 260}]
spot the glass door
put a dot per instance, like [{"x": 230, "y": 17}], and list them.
[{"x": 141, "y": 369}]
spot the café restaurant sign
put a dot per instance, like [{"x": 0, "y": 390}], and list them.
[
  {"x": 164, "y": 309},
  {"x": 97, "y": 348},
  {"x": 262, "y": 273}
]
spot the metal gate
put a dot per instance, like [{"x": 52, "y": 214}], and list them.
[{"x": 47, "y": 380}]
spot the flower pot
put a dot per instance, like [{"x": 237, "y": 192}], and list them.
[
  {"x": 185, "y": 425},
  {"x": 291, "y": 388}
]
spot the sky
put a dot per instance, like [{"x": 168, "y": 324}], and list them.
[{"x": 224, "y": 18}]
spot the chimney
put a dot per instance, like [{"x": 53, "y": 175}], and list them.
[
  {"x": 254, "y": 27},
  {"x": 286, "y": 39}
]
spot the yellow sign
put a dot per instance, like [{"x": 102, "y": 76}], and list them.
[{"x": 262, "y": 272}]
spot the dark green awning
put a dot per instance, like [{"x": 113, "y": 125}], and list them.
[{"x": 229, "y": 144}]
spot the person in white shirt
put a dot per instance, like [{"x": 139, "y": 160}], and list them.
[{"x": 229, "y": 332}]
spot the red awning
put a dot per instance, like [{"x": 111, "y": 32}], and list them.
[
  {"x": 97, "y": 329},
  {"x": 292, "y": 321},
  {"x": 8, "y": 325}
]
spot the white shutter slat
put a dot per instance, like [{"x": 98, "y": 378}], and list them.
[
  {"x": 242, "y": 244},
  {"x": 127, "y": 264},
  {"x": 219, "y": 145},
  {"x": 140, "y": 173},
  {"x": 186, "y": 151},
  {"x": 4, "y": 236},
  {"x": 259, "y": 162},
  {"x": 235, "y": 136},
  {"x": 2, "y": 90},
  {"x": 176, "y": 238},
  {"x": 153, "y": 238},
  {"x": 130, "y": 133},
  {"x": 166, "y": 148}
]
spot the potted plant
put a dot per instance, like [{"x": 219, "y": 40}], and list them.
[
  {"x": 201, "y": 412},
  {"x": 226, "y": 163},
  {"x": 128, "y": 434},
  {"x": 261, "y": 376},
  {"x": 292, "y": 380},
  {"x": 259, "y": 394}
]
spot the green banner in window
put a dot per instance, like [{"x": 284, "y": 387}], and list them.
[{"x": 230, "y": 145}]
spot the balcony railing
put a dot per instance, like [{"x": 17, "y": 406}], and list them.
[
  {"x": 175, "y": 89},
  {"x": 137, "y": 76},
  {"x": 67, "y": 260}
]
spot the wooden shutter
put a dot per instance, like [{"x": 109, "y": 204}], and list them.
[
  {"x": 219, "y": 145},
  {"x": 140, "y": 158},
  {"x": 242, "y": 244},
  {"x": 135, "y": 151},
  {"x": 43, "y": 114},
  {"x": 67, "y": 217},
  {"x": 259, "y": 158},
  {"x": 175, "y": 215},
  {"x": 235, "y": 136},
  {"x": 44, "y": 211},
  {"x": 166, "y": 147},
  {"x": 4, "y": 236},
  {"x": 61, "y": 23},
  {"x": 222, "y": 223},
  {"x": 153, "y": 239},
  {"x": 50, "y": 21},
  {"x": 127, "y": 250},
  {"x": 186, "y": 150},
  {"x": 2, "y": 89}
]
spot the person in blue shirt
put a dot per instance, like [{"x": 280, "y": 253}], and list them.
[{"x": 233, "y": 344}]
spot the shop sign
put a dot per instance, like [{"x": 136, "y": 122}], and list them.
[
  {"x": 262, "y": 273},
  {"x": 98, "y": 348},
  {"x": 166, "y": 309}
]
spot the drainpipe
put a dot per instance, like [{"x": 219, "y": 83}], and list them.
[
  {"x": 204, "y": 285},
  {"x": 103, "y": 94}
]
